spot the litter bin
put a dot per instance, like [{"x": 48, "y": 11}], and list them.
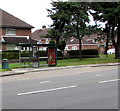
[
  {"x": 35, "y": 62},
  {"x": 5, "y": 64}
]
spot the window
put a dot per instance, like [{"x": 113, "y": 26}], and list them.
[
  {"x": 10, "y": 31},
  {"x": 11, "y": 47},
  {"x": 74, "y": 48},
  {"x": 47, "y": 41},
  {"x": 66, "y": 48},
  {"x": 39, "y": 42},
  {"x": 24, "y": 48}
]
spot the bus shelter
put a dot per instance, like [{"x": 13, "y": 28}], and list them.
[{"x": 34, "y": 57}]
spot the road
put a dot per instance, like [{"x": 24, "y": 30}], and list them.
[{"x": 75, "y": 88}]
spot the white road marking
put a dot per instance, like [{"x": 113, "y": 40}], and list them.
[
  {"x": 44, "y": 82},
  {"x": 99, "y": 75},
  {"x": 47, "y": 90},
  {"x": 108, "y": 81}
]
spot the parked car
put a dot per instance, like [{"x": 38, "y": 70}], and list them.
[{"x": 111, "y": 51}]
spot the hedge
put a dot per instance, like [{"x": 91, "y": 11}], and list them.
[
  {"x": 14, "y": 51},
  {"x": 90, "y": 52},
  {"x": 10, "y": 55},
  {"x": 15, "y": 54},
  {"x": 71, "y": 54},
  {"x": 85, "y": 53}
]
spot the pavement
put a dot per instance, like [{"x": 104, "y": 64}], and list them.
[{"x": 27, "y": 70}]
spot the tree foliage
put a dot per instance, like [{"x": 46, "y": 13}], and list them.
[
  {"x": 61, "y": 45},
  {"x": 109, "y": 12},
  {"x": 69, "y": 19}
]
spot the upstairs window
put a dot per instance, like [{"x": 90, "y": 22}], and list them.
[
  {"x": 47, "y": 41},
  {"x": 10, "y": 31}
]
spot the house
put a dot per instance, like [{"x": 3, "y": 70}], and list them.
[
  {"x": 39, "y": 36},
  {"x": 14, "y": 31},
  {"x": 88, "y": 42}
]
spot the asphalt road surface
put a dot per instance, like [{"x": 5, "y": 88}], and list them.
[{"x": 76, "y": 88}]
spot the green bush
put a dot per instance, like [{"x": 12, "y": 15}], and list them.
[
  {"x": 61, "y": 45},
  {"x": 52, "y": 42}
]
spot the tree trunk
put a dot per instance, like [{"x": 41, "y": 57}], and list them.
[
  {"x": 117, "y": 51},
  {"x": 117, "y": 55},
  {"x": 63, "y": 54},
  {"x": 117, "y": 43},
  {"x": 80, "y": 48},
  {"x": 106, "y": 47},
  {"x": 113, "y": 39},
  {"x": 108, "y": 37},
  {"x": 79, "y": 38},
  {"x": 57, "y": 40}
]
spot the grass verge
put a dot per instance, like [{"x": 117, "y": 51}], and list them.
[
  {"x": 69, "y": 62},
  {"x": 86, "y": 61}
]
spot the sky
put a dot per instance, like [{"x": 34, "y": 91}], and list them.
[{"x": 32, "y": 12}]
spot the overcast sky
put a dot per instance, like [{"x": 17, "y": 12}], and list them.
[{"x": 31, "y": 11}]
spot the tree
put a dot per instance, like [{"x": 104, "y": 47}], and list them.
[
  {"x": 69, "y": 19},
  {"x": 61, "y": 46},
  {"x": 60, "y": 17},
  {"x": 78, "y": 21},
  {"x": 109, "y": 12}
]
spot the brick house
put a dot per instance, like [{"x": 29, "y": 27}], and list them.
[
  {"x": 39, "y": 34},
  {"x": 13, "y": 31},
  {"x": 88, "y": 42}
]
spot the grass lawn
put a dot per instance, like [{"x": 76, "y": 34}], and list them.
[
  {"x": 85, "y": 61},
  {"x": 69, "y": 62}
]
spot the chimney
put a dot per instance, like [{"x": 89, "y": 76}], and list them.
[{"x": 43, "y": 27}]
